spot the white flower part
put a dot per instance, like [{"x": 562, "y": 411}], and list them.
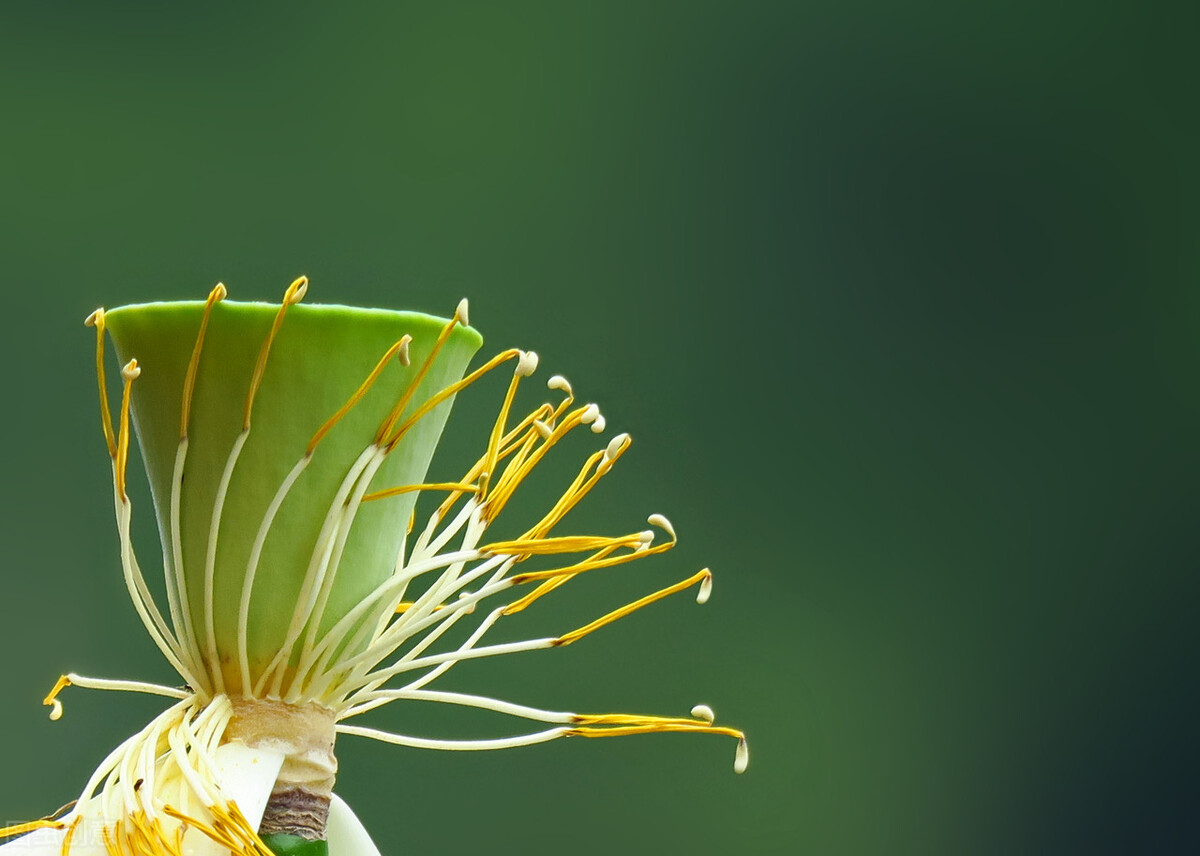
[
  {"x": 246, "y": 777},
  {"x": 345, "y": 833}
]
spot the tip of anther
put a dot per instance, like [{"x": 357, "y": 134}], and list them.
[
  {"x": 598, "y": 425},
  {"x": 460, "y": 313},
  {"x": 402, "y": 351},
  {"x": 703, "y": 711},
  {"x": 615, "y": 446},
  {"x": 661, "y": 521},
  {"x": 131, "y": 370},
  {"x": 590, "y": 414},
  {"x": 542, "y": 428},
  {"x": 741, "y": 759},
  {"x": 559, "y": 382},
  {"x": 56, "y": 710},
  {"x": 95, "y": 318},
  {"x": 705, "y": 591},
  {"x": 296, "y": 291},
  {"x": 527, "y": 364},
  {"x": 219, "y": 292}
]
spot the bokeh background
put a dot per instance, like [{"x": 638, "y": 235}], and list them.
[{"x": 898, "y": 300}]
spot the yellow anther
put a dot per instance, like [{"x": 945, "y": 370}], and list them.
[
  {"x": 701, "y": 577},
  {"x": 412, "y": 488},
  {"x": 52, "y": 701},
  {"x": 22, "y": 828},
  {"x": 399, "y": 350},
  {"x": 656, "y": 728},
  {"x": 564, "y": 544},
  {"x": 130, "y": 373},
  {"x": 96, "y": 319},
  {"x": 66, "y": 845},
  {"x": 389, "y": 423},
  {"x": 592, "y": 564},
  {"x": 294, "y": 294},
  {"x": 296, "y": 291},
  {"x": 218, "y": 294},
  {"x": 442, "y": 395}
]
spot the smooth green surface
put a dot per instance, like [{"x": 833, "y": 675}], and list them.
[
  {"x": 293, "y": 845},
  {"x": 319, "y": 358},
  {"x": 898, "y": 300}
]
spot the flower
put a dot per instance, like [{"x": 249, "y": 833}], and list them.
[{"x": 286, "y": 448}]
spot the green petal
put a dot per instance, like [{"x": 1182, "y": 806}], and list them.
[{"x": 317, "y": 361}]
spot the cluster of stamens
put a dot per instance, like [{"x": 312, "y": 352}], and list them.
[{"x": 350, "y": 666}]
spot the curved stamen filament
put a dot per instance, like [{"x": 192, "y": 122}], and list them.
[
  {"x": 445, "y": 393},
  {"x": 294, "y": 294},
  {"x": 460, "y": 317},
  {"x": 702, "y": 578},
  {"x": 399, "y": 350},
  {"x": 129, "y": 373},
  {"x": 96, "y": 319},
  {"x": 454, "y": 487},
  {"x": 218, "y": 294},
  {"x": 73, "y": 680}
]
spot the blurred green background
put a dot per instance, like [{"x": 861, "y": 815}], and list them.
[{"x": 898, "y": 301}]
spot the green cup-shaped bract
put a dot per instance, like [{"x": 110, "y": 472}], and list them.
[{"x": 317, "y": 361}]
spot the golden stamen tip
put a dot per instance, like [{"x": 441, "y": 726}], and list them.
[
  {"x": 703, "y": 711},
  {"x": 219, "y": 292},
  {"x": 296, "y": 291},
  {"x": 460, "y": 313},
  {"x": 543, "y": 429},
  {"x": 705, "y": 591},
  {"x": 131, "y": 370},
  {"x": 95, "y": 319},
  {"x": 402, "y": 351}
]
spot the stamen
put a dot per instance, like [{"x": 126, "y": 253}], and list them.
[
  {"x": 412, "y": 488},
  {"x": 654, "y": 725},
  {"x": 445, "y": 393},
  {"x": 399, "y": 350},
  {"x": 294, "y": 294},
  {"x": 129, "y": 373},
  {"x": 73, "y": 680},
  {"x": 703, "y": 711},
  {"x": 526, "y": 365},
  {"x": 701, "y": 577},
  {"x": 96, "y": 319},
  {"x": 564, "y": 544},
  {"x": 22, "y": 828},
  {"x": 385, "y": 429},
  {"x": 189, "y": 383},
  {"x": 66, "y": 845},
  {"x": 51, "y": 700}
]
